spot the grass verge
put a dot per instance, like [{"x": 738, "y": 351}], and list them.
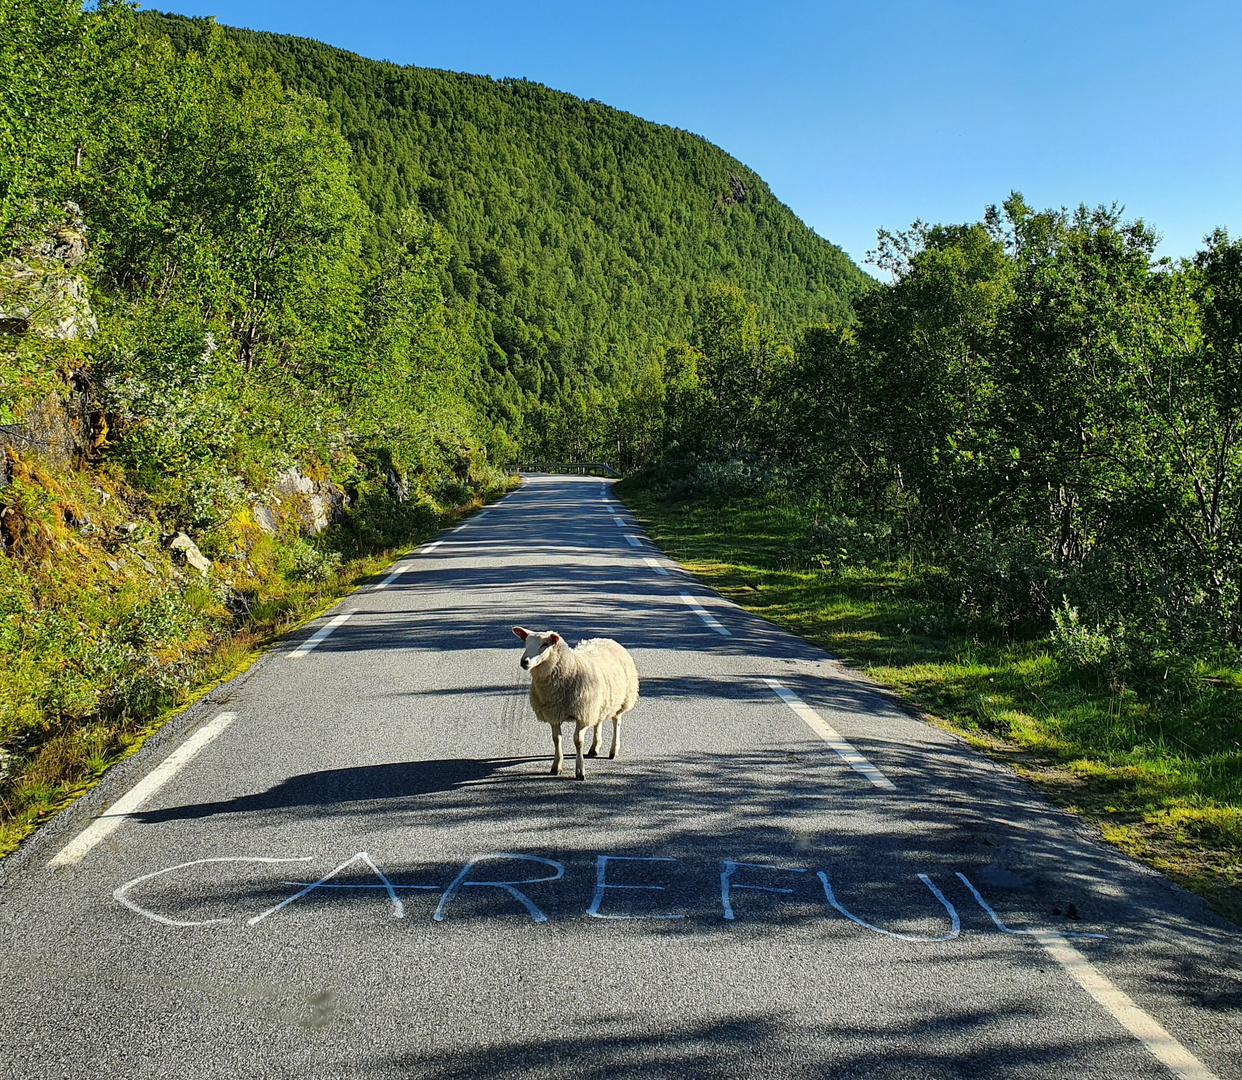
[{"x": 1157, "y": 765}]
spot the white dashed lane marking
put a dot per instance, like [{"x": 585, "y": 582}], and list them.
[
  {"x": 825, "y": 731},
  {"x": 73, "y": 851},
  {"x": 391, "y": 578},
  {"x": 405, "y": 567},
  {"x": 703, "y": 614},
  {"x": 319, "y": 635},
  {"x": 620, "y": 523},
  {"x": 633, "y": 540},
  {"x": 655, "y": 565}
]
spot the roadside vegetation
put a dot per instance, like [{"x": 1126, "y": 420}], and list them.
[
  {"x": 1149, "y": 756},
  {"x": 95, "y": 660},
  {"x": 216, "y": 416}
]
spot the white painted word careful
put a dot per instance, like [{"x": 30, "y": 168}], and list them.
[{"x": 512, "y": 874}]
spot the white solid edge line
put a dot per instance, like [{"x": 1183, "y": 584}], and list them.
[
  {"x": 844, "y": 750},
  {"x": 403, "y": 569},
  {"x": 655, "y": 565},
  {"x": 703, "y": 614},
  {"x": 320, "y": 634},
  {"x": 1143, "y": 1026},
  {"x": 634, "y": 541},
  {"x": 73, "y": 851}
]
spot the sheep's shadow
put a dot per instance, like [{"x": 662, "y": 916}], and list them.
[{"x": 360, "y": 784}]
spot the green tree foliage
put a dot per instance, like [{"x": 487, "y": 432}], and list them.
[
  {"x": 1034, "y": 402},
  {"x": 241, "y": 328},
  {"x": 57, "y": 65},
  {"x": 582, "y": 239}
]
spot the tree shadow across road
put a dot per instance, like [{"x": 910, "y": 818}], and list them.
[{"x": 950, "y": 1043}]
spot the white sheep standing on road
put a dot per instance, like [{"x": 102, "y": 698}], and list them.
[{"x": 585, "y": 686}]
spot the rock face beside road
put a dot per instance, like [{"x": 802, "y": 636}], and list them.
[
  {"x": 315, "y": 503},
  {"x": 39, "y": 292}
]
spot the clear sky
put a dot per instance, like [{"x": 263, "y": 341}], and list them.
[{"x": 867, "y": 115}]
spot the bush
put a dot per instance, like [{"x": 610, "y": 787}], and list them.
[
  {"x": 1003, "y": 582},
  {"x": 735, "y": 478},
  {"x": 835, "y": 541},
  {"x": 306, "y": 562},
  {"x": 451, "y": 492},
  {"x": 1082, "y": 647}
]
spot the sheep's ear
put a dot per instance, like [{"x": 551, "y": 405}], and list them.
[
  {"x": 522, "y": 633},
  {"x": 554, "y": 639}
]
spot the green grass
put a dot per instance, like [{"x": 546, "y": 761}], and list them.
[{"x": 1157, "y": 765}]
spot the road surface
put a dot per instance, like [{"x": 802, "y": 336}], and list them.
[{"x": 351, "y": 862}]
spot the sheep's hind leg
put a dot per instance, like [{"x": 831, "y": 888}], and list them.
[
  {"x": 616, "y": 736},
  {"x": 598, "y": 738},
  {"x": 558, "y": 758},
  {"x": 579, "y": 770}
]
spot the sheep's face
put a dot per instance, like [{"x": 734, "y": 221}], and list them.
[{"x": 538, "y": 645}]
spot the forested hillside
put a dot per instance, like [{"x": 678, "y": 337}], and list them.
[{"x": 583, "y": 236}]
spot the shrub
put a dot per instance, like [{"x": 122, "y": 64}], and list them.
[
  {"x": 450, "y": 491},
  {"x": 307, "y": 562},
  {"x": 1003, "y": 582},
  {"x": 1083, "y": 647},
  {"x": 836, "y": 541},
  {"x": 735, "y": 478}
]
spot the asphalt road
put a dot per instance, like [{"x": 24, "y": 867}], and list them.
[{"x": 398, "y": 759}]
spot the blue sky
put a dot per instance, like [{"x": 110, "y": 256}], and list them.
[{"x": 869, "y": 115}]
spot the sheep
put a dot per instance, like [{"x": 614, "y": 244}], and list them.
[{"x": 585, "y": 686}]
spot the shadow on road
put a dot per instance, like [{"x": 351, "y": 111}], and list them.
[
  {"x": 334, "y": 787},
  {"x": 941, "y": 1042}
]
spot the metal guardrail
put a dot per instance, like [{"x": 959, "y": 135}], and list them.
[{"x": 579, "y": 468}]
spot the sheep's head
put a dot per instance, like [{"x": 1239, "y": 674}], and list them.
[{"x": 538, "y": 645}]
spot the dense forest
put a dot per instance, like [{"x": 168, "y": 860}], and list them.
[
  {"x": 581, "y": 238},
  {"x": 1034, "y": 403}
]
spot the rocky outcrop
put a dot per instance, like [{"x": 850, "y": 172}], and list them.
[
  {"x": 39, "y": 293},
  {"x": 57, "y": 428},
  {"x": 318, "y": 503},
  {"x": 314, "y": 503},
  {"x": 193, "y": 557},
  {"x": 265, "y": 517},
  {"x": 398, "y": 485},
  {"x": 735, "y": 194}
]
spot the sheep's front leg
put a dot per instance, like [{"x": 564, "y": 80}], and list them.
[
  {"x": 595, "y": 741},
  {"x": 558, "y": 758},
  {"x": 616, "y": 736},
  {"x": 580, "y": 770}
]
